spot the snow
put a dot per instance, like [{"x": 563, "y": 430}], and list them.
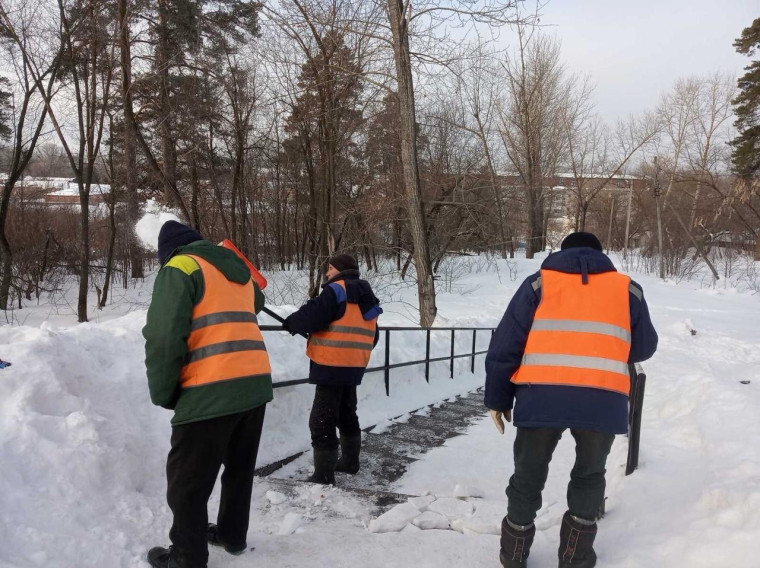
[
  {"x": 150, "y": 223},
  {"x": 430, "y": 520},
  {"x": 395, "y": 519},
  {"x": 276, "y": 498},
  {"x": 83, "y": 451}
]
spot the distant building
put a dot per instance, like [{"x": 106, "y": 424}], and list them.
[
  {"x": 56, "y": 191},
  {"x": 68, "y": 194}
]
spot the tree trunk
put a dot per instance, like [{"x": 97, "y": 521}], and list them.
[
  {"x": 111, "y": 227},
  {"x": 168, "y": 151},
  {"x": 6, "y": 254},
  {"x": 84, "y": 252},
  {"x": 533, "y": 224},
  {"x": 412, "y": 185},
  {"x": 109, "y": 255},
  {"x": 494, "y": 186},
  {"x": 196, "y": 190},
  {"x": 130, "y": 145}
]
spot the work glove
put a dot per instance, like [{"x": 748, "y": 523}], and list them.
[
  {"x": 286, "y": 327},
  {"x": 497, "y": 415}
]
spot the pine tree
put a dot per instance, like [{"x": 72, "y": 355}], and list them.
[{"x": 746, "y": 152}]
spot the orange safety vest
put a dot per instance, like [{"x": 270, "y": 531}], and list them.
[
  {"x": 347, "y": 342},
  {"x": 225, "y": 341},
  {"x": 581, "y": 333}
]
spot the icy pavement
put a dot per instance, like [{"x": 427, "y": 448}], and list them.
[{"x": 389, "y": 448}]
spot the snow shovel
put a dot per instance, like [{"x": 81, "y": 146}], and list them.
[{"x": 255, "y": 274}]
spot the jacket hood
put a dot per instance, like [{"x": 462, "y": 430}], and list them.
[
  {"x": 233, "y": 268},
  {"x": 358, "y": 291},
  {"x": 580, "y": 260}
]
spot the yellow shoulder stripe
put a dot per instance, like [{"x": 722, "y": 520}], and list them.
[{"x": 183, "y": 263}]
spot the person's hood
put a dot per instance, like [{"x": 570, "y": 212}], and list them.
[
  {"x": 360, "y": 292},
  {"x": 580, "y": 260},
  {"x": 233, "y": 268}
]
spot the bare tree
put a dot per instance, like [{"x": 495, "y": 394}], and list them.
[
  {"x": 20, "y": 35},
  {"x": 428, "y": 16},
  {"x": 89, "y": 59},
  {"x": 537, "y": 93},
  {"x": 706, "y": 153},
  {"x": 333, "y": 38},
  {"x": 478, "y": 85}
]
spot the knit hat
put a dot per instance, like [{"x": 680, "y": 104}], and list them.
[
  {"x": 173, "y": 235},
  {"x": 581, "y": 239},
  {"x": 343, "y": 262}
]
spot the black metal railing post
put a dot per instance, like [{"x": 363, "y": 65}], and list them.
[
  {"x": 451, "y": 361},
  {"x": 387, "y": 362},
  {"x": 472, "y": 361},
  {"x": 427, "y": 355}
]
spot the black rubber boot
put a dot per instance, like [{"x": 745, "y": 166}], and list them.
[
  {"x": 515, "y": 544},
  {"x": 160, "y": 557},
  {"x": 576, "y": 540},
  {"x": 350, "y": 447},
  {"x": 212, "y": 535},
  {"x": 324, "y": 467}
]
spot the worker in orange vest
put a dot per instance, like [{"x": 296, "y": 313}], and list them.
[
  {"x": 561, "y": 352},
  {"x": 206, "y": 360},
  {"x": 342, "y": 327}
]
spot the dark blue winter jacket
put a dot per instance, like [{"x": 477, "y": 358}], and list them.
[
  {"x": 330, "y": 305},
  {"x": 555, "y": 406}
]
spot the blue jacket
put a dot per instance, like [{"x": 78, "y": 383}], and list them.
[
  {"x": 330, "y": 305},
  {"x": 551, "y": 406}
]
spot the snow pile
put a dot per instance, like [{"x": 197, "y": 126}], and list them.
[{"x": 461, "y": 514}]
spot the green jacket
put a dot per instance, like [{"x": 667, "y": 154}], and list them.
[{"x": 178, "y": 288}]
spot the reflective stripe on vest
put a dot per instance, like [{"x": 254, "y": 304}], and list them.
[
  {"x": 225, "y": 341},
  {"x": 581, "y": 333},
  {"x": 347, "y": 342}
]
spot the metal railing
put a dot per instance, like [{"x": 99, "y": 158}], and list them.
[
  {"x": 636, "y": 372},
  {"x": 387, "y": 366}
]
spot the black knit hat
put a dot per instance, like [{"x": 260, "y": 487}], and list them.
[
  {"x": 173, "y": 235},
  {"x": 343, "y": 262},
  {"x": 581, "y": 239}
]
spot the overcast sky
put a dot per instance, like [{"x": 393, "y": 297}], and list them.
[{"x": 634, "y": 51}]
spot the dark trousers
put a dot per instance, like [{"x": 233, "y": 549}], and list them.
[
  {"x": 198, "y": 451},
  {"x": 334, "y": 407},
  {"x": 533, "y": 451}
]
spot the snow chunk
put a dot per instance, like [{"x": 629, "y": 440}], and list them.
[
  {"x": 290, "y": 523},
  {"x": 395, "y": 519},
  {"x": 430, "y": 520},
  {"x": 275, "y": 497},
  {"x": 452, "y": 508},
  {"x": 149, "y": 226},
  {"x": 476, "y": 526},
  {"x": 422, "y": 502},
  {"x": 382, "y": 427},
  {"x": 465, "y": 491}
]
